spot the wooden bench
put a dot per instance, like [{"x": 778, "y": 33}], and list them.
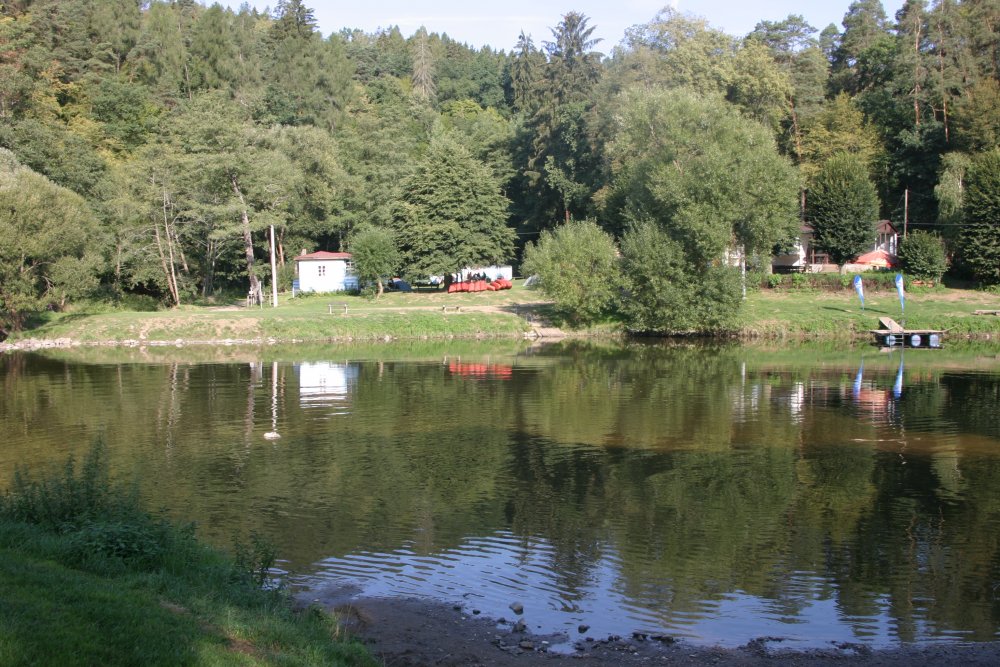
[
  {"x": 451, "y": 309},
  {"x": 331, "y": 306}
]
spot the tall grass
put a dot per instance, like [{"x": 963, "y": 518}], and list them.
[{"x": 88, "y": 577}]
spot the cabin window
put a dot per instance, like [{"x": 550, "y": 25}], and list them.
[
  {"x": 321, "y": 270},
  {"x": 349, "y": 266}
]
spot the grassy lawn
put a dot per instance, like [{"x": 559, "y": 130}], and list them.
[
  {"x": 309, "y": 318},
  {"x": 776, "y": 313},
  {"x": 766, "y": 313}
]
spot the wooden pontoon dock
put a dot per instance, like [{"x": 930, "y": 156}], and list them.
[{"x": 891, "y": 334}]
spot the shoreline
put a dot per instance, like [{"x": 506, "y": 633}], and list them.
[
  {"x": 414, "y": 632},
  {"x": 35, "y": 344},
  {"x": 535, "y": 334}
]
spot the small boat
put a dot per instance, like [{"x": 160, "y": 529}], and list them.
[{"x": 891, "y": 334}]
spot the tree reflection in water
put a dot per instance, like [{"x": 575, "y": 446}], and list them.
[{"x": 718, "y": 493}]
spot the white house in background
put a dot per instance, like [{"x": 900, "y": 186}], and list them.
[
  {"x": 324, "y": 271},
  {"x": 804, "y": 256}
]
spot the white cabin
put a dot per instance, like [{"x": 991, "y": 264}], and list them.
[{"x": 324, "y": 271}]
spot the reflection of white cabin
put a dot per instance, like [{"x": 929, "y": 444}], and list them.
[
  {"x": 324, "y": 271},
  {"x": 324, "y": 383}
]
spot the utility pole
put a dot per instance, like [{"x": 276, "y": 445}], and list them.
[
  {"x": 274, "y": 274},
  {"x": 906, "y": 210}
]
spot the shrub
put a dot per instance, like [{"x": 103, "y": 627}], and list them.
[
  {"x": 576, "y": 267},
  {"x": 103, "y": 522},
  {"x": 755, "y": 280},
  {"x": 668, "y": 293},
  {"x": 922, "y": 256},
  {"x": 252, "y": 563},
  {"x": 774, "y": 280}
]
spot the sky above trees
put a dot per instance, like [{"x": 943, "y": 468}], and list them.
[{"x": 498, "y": 24}]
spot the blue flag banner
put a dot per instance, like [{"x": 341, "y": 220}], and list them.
[
  {"x": 899, "y": 289},
  {"x": 860, "y": 289}
]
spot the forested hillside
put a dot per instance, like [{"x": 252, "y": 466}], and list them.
[{"x": 147, "y": 147}]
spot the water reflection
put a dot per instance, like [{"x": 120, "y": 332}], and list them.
[
  {"x": 717, "y": 494},
  {"x": 327, "y": 385}
]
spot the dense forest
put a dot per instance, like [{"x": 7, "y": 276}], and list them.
[{"x": 146, "y": 148}]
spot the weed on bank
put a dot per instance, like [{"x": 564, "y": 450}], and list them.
[{"x": 88, "y": 577}]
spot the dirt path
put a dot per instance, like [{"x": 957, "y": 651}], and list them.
[{"x": 415, "y": 633}]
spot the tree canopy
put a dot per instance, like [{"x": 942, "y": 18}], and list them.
[
  {"x": 451, "y": 213},
  {"x": 980, "y": 239},
  {"x": 187, "y": 129},
  {"x": 49, "y": 244},
  {"x": 843, "y": 208}
]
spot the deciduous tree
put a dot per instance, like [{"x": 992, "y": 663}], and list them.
[
  {"x": 374, "y": 254},
  {"x": 694, "y": 180},
  {"x": 49, "y": 251},
  {"x": 708, "y": 176},
  {"x": 668, "y": 290}
]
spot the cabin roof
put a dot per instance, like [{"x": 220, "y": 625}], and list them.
[
  {"x": 886, "y": 227},
  {"x": 320, "y": 255}
]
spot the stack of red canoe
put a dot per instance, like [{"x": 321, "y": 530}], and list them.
[{"x": 480, "y": 286}]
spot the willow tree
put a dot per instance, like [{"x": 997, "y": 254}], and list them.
[
  {"x": 49, "y": 251},
  {"x": 696, "y": 180}
]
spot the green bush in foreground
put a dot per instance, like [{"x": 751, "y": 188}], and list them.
[{"x": 88, "y": 577}]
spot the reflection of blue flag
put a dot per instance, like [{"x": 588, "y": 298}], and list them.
[
  {"x": 857, "y": 379},
  {"x": 897, "y": 389},
  {"x": 860, "y": 289},
  {"x": 899, "y": 288}
]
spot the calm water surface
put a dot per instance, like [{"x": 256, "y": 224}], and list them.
[{"x": 714, "y": 494}]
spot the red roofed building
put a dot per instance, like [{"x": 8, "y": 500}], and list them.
[{"x": 324, "y": 271}]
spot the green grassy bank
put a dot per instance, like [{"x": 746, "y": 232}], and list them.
[
  {"x": 313, "y": 318},
  {"x": 89, "y": 578},
  {"x": 838, "y": 315},
  {"x": 767, "y": 313}
]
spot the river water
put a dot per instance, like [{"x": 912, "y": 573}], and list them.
[{"x": 716, "y": 494}]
